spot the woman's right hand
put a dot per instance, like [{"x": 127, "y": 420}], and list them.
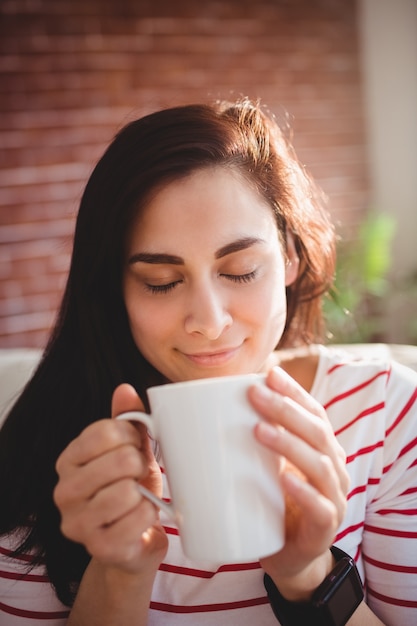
[{"x": 97, "y": 493}]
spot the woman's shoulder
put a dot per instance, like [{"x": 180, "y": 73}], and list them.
[
  {"x": 27, "y": 596},
  {"x": 324, "y": 370},
  {"x": 300, "y": 363},
  {"x": 370, "y": 395},
  {"x": 11, "y": 552},
  {"x": 358, "y": 362}
]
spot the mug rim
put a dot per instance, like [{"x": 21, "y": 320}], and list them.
[{"x": 211, "y": 380}]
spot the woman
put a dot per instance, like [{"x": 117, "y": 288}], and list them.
[{"x": 202, "y": 249}]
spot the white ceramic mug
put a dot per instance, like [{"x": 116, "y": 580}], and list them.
[{"x": 224, "y": 484}]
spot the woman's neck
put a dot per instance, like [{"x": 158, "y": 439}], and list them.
[{"x": 300, "y": 363}]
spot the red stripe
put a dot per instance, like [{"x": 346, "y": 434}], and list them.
[
  {"x": 407, "y": 492},
  {"x": 355, "y": 492},
  {"x": 403, "y": 413},
  {"x": 363, "y": 488},
  {"x": 354, "y": 390},
  {"x": 370, "y": 411},
  {"x": 362, "y": 451},
  {"x": 28, "y": 558},
  {"x": 33, "y": 614},
  {"x": 171, "y": 531},
  {"x": 188, "y": 571},
  {"x": 353, "y": 359},
  {"x": 412, "y": 604},
  {"x": 206, "y": 608},
  {"x": 348, "y": 531},
  {"x": 335, "y": 367},
  {"x": 390, "y": 533},
  {"x": 412, "y": 444},
  {"x": 397, "y": 512},
  {"x": 35, "y": 578},
  {"x": 406, "y": 569}
]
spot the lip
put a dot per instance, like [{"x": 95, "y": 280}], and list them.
[{"x": 213, "y": 358}]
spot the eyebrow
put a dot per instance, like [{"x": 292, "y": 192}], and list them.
[{"x": 162, "y": 258}]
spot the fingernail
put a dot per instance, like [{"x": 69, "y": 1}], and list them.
[
  {"x": 262, "y": 393},
  {"x": 267, "y": 432}
]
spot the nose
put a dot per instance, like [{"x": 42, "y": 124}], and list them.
[{"x": 208, "y": 313}]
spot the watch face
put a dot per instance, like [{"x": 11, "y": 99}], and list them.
[
  {"x": 342, "y": 603},
  {"x": 340, "y": 594},
  {"x": 333, "y": 602}
]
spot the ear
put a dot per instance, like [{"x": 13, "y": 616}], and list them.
[{"x": 292, "y": 262}]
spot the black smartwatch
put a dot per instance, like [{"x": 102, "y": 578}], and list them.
[{"x": 333, "y": 602}]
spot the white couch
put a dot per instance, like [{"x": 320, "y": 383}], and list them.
[{"x": 17, "y": 365}]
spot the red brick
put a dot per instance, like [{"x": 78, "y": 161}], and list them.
[{"x": 73, "y": 72}]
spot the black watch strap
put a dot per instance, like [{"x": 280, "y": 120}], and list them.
[{"x": 333, "y": 602}]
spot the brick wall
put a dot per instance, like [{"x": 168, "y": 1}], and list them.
[{"x": 73, "y": 71}]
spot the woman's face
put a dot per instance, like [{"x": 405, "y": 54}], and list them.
[{"x": 205, "y": 276}]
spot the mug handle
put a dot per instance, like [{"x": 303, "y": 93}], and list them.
[{"x": 144, "y": 418}]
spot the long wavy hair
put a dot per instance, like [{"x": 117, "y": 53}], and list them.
[{"x": 91, "y": 349}]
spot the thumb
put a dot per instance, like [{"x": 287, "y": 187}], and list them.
[{"x": 125, "y": 399}]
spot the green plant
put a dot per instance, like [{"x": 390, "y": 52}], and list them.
[
  {"x": 405, "y": 293},
  {"x": 353, "y": 307}
]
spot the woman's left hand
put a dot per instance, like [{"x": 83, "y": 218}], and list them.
[{"x": 314, "y": 480}]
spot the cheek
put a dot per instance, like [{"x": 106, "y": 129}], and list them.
[
  {"x": 149, "y": 325},
  {"x": 268, "y": 312},
  {"x": 275, "y": 324},
  {"x": 268, "y": 302},
  {"x": 143, "y": 318}
]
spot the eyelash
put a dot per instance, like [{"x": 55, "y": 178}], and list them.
[
  {"x": 241, "y": 278},
  {"x": 235, "y": 278},
  {"x": 161, "y": 288}
]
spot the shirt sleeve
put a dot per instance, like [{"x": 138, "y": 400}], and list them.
[
  {"x": 389, "y": 545},
  {"x": 27, "y": 597}
]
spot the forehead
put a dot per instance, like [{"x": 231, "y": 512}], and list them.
[{"x": 215, "y": 201}]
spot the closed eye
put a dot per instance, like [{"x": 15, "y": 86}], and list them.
[
  {"x": 167, "y": 287},
  {"x": 161, "y": 289},
  {"x": 241, "y": 278}
]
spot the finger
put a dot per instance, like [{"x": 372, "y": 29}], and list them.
[
  {"x": 96, "y": 440},
  {"x": 125, "y": 399},
  {"x": 104, "y": 435},
  {"x": 299, "y": 419},
  {"x": 123, "y": 540},
  {"x": 318, "y": 468},
  {"x": 118, "y": 464},
  {"x": 112, "y": 503},
  {"x": 118, "y": 516},
  {"x": 284, "y": 384},
  {"x": 106, "y": 507},
  {"x": 322, "y": 515},
  {"x": 285, "y": 412}
]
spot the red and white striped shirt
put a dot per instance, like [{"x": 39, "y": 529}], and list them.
[{"x": 373, "y": 409}]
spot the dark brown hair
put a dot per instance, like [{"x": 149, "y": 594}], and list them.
[{"x": 91, "y": 349}]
